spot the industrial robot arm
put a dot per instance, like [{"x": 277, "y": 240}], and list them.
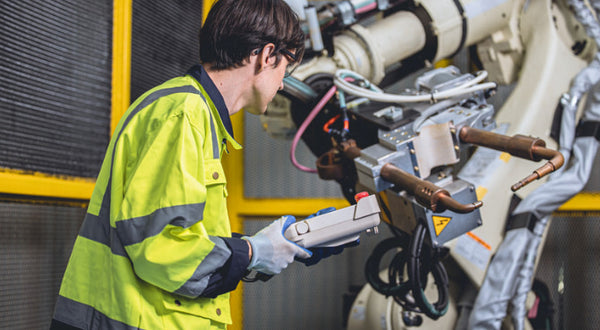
[{"x": 416, "y": 147}]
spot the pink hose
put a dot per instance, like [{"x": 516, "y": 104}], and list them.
[
  {"x": 366, "y": 8},
  {"x": 303, "y": 127}
]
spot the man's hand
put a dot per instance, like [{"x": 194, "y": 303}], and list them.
[{"x": 270, "y": 251}]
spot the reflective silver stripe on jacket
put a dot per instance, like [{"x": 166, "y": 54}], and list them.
[
  {"x": 98, "y": 229},
  {"x": 136, "y": 230},
  {"x": 214, "y": 260},
  {"x": 74, "y": 313},
  {"x": 133, "y": 231}
]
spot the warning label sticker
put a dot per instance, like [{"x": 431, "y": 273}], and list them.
[{"x": 439, "y": 223}]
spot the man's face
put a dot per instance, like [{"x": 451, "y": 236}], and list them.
[{"x": 268, "y": 82}]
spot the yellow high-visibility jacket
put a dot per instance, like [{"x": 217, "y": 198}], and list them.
[{"x": 155, "y": 250}]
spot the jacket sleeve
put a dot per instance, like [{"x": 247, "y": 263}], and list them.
[{"x": 159, "y": 220}]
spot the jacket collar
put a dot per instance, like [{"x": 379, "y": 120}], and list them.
[{"x": 198, "y": 72}]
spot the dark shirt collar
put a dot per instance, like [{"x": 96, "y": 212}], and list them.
[{"x": 198, "y": 72}]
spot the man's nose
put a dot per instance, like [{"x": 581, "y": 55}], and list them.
[{"x": 281, "y": 85}]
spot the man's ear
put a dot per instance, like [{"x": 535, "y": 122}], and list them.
[{"x": 266, "y": 56}]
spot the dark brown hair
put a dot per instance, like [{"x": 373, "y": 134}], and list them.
[{"x": 234, "y": 28}]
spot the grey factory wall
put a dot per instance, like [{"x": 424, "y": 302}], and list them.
[
  {"x": 36, "y": 242},
  {"x": 164, "y": 41},
  {"x": 269, "y": 173},
  {"x": 55, "y": 85},
  {"x": 55, "y": 119}
]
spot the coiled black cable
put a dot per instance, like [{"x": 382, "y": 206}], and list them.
[
  {"x": 419, "y": 260},
  {"x": 393, "y": 288},
  {"x": 416, "y": 276}
]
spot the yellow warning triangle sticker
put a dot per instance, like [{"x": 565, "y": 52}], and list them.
[{"x": 439, "y": 223}]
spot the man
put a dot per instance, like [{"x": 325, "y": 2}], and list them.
[{"x": 155, "y": 250}]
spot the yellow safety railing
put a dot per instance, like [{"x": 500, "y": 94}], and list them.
[{"x": 121, "y": 64}]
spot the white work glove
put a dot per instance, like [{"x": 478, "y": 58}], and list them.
[{"x": 271, "y": 251}]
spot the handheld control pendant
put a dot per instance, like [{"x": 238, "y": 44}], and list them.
[{"x": 337, "y": 227}]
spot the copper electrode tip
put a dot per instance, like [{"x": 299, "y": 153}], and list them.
[
  {"x": 530, "y": 178},
  {"x": 516, "y": 186},
  {"x": 446, "y": 202}
]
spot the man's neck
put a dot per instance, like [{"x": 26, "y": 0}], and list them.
[{"x": 233, "y": 84}]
